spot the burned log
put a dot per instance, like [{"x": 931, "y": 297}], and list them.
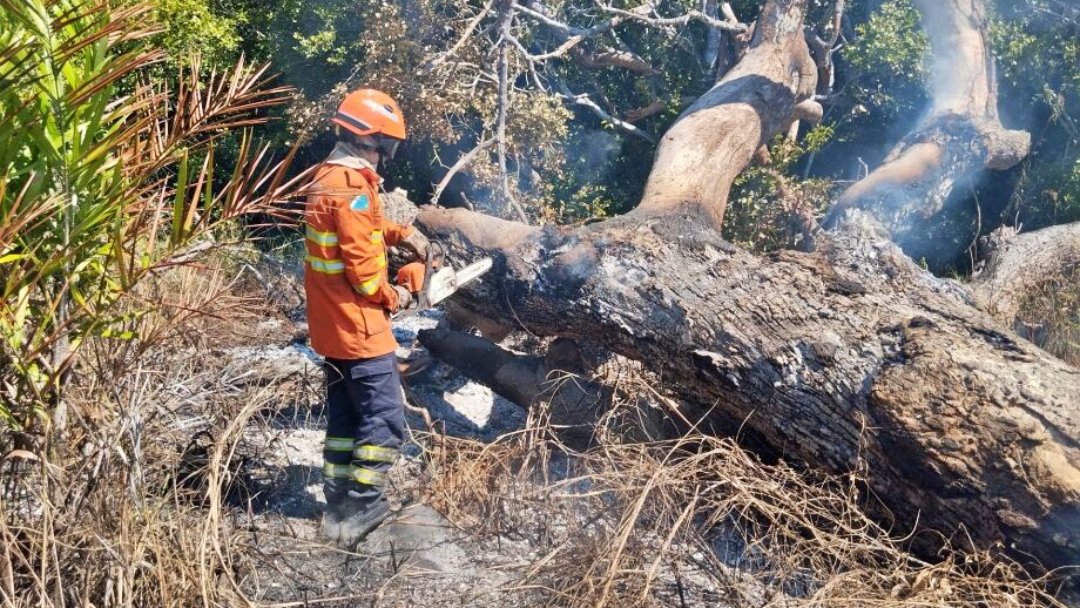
[
  {"x": 851, "y": 352},
  {"x": 848, "y": 357}
]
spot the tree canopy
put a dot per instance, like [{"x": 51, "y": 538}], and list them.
[{"x": 591, "y": 86}]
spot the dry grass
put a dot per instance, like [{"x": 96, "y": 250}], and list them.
[
  {"x": 1051, "y": 316},
  {"x": 699, "y": 522},
  {"x": 128, "y": 508}
]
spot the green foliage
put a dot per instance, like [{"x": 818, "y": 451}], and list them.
[
  {"x": 101, "y": 186},
  {"x": 425, "y": 54},
  {"x": 1048, "y": 193},
  {"x": 888, "y": 59},
  {"x": 193, "y": 27},
  {"x": 1039, "y": 65},
  {"x": 765, "y": 206}
]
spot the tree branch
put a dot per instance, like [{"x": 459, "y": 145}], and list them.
[
  {"x": 1016, "y": 264},
  {"x": 506, "y": 20},
  {"x": 640, "y": 14},
  {"x": 464, "y": 161},
  {"x": 585, "y": 101},
  {"x": 463, "y": 40}
]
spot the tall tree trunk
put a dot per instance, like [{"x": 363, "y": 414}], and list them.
[{"x": 961, "y": 136}]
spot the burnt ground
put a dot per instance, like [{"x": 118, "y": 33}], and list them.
[{"x": 418, "y": 558}]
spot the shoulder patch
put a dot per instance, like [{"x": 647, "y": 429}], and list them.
[{"x": 360, "y": 203}]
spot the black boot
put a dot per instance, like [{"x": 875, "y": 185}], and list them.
[
  {"x": 337, "y": 507},
  {"x": 353, "y": 519}
]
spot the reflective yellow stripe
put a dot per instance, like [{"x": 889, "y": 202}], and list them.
[
  {"x": 325, "y": 266},
  {"x": 338, "y": 471},
  {"x": 381, "y": 260},
  {"x": 338, "y": 444},
  {"x": 326, "y": 239},
  {"x": 368, "y": 476},
  {"x": 376, "y": 237},
  {"x": 374, "y": 453},
  {"x": 370, "y": 286}
]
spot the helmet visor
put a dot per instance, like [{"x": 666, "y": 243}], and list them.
[{"x": 389, "y": 146}]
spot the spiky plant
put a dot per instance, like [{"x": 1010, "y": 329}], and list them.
[{"x": 106, "y": 177}]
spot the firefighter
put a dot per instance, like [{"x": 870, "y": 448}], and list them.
[{"x": 349, "y": 300}]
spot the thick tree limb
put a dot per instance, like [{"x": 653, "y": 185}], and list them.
[
  {"x": 608, "y": 57},
  {"x": 851, "y": 352},
  {"x": 1016, "y": 264},
  {"x": 714, "y": 139},
  {"x": 961, "y": 136}
]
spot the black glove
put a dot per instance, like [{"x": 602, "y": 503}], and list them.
[{"x": 416, "y": 243}]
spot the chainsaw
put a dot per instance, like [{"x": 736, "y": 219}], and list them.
[{"x": 443, "y": 281}]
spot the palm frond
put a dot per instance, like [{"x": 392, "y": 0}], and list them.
[{"x": 100, "y": 190}]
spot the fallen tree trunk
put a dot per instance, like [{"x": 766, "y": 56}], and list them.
[
  {"x": 848, "y": 353},
  {"x": 847, "y": 358}
]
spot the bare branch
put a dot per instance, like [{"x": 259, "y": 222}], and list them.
[
  {"x": 823, "y": 50},
  {"x": 506, "y": 20},
  {"x": 640, "y": 14},
  {"x": 443, "y": 58},
  {"x": 464, "y": 161},
  {"x": 568, "y": 30},
  {"x": 585, "y": 101}
]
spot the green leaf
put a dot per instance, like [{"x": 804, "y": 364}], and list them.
[{"x": 179, "y": 226}]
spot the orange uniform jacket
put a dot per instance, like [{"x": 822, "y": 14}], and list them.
[{"x": 349, "y": 296}]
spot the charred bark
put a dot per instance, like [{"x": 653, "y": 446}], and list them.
[{"x": 846, "y": 353}]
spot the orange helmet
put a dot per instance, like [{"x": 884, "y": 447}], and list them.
[{"x": 372, "y": 113}]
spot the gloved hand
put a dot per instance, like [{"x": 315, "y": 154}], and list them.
[
  {"x": 405, "y": 298},
  {"x": 416, "y": 243}
]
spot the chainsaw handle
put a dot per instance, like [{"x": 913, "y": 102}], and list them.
[{"x": 422, "y": 301}]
